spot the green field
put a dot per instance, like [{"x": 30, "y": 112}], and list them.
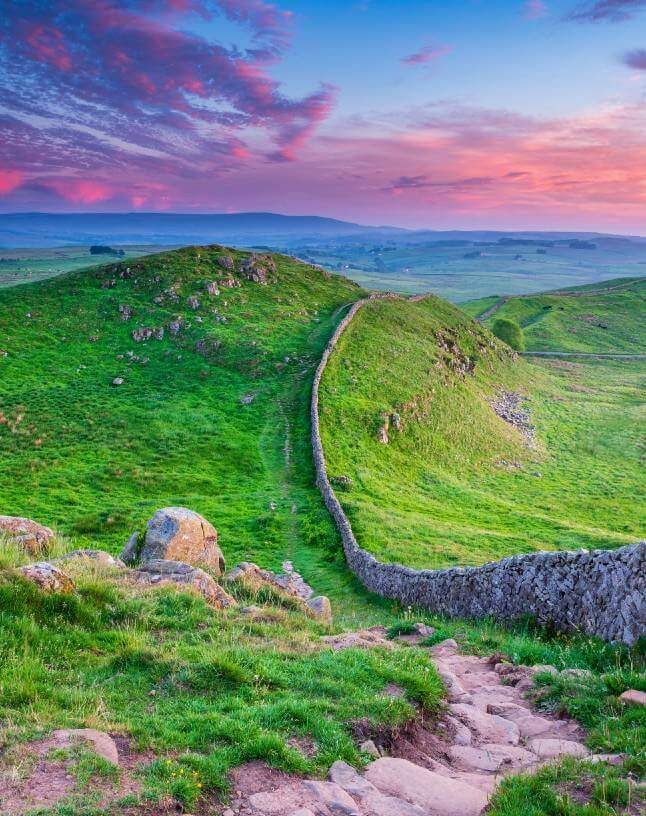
[
  {"x": 31, "y": 265},
  {"x": 458, "y": 485},
  {"x": 603, "y": 318},
  {"x": 494, "y": 268}
]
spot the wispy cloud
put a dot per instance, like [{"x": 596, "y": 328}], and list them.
[
  {"x": 427, "y": 54},
  {"x": 613, "y": 11},
  {"x": 636, "y": 59},
  {"x": 108, "y": 80}
]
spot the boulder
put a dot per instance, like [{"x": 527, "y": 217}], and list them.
[
  {"x": 378, "y": 804},
  {"x": 48, "y": 578},
  {"x": 130, "y": 552},
  {"x": 321, "y": 607},
  {"x": 33, "y": 537},
  {"x": 158, "y": 573},
  {"x": 102, "y": 743},
  {"x": 96, "y": 556},
  {"x": 633, "y": 697},
  {"x": 179, "y": 534},
  {"x": 430, "y": 791}
]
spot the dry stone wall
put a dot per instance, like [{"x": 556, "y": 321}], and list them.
[{"x": 598, "y": 592}]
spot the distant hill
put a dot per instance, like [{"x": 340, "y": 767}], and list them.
[
  {"x": 253, "y": 228},
  {"x": 52, "y": 229},
  {"x": 599, "y": 318}
]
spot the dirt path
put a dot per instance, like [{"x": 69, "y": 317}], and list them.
[{"x": 489, "y": 732}]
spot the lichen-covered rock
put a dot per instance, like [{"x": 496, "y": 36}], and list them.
[
  {"x": 130, "y": 552},
  {"x": 289, "y": 582},
  {"x": 48, "y": 578},
  {"x": 321, "y": 607},
  {"x": 179, "y": 534},
  {"x": 33, "y": 537},
  {"x": 96, "y": 556},
  {"x": 160, "y": 572}
]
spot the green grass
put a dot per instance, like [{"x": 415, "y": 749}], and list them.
[
  {"x": 458, "y": 485},
  {"x": 203, "y": 691},
  {"x": 96, "y": 460},
  {"x": 598, "y": 318}
]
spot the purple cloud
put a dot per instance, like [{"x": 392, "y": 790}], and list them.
[
  {"x": 613, "y": 11},
  {"x": 116, "y": 82},
  {"x": 429, "y": 53},
  {"x": 636, "y": 59}
]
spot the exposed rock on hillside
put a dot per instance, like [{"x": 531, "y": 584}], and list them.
[
  {"x": 176, "y": 533},
  {"x": 176, "y": 572},
  {"x": 47, "y": 577},
  {"x": 31, "y": 535},
  {"x": 289, "y": 583}
]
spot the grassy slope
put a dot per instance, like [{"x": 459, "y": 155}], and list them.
[
  {"x": 96, "y": 460},
  {"x": 600, "y": 318},
  {"x": 457, "y": 485},
  {"x": 108, "y": 456}
]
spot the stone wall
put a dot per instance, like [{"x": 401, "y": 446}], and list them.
[{"x": 599, "y": 592}]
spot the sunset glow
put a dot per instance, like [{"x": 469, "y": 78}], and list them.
[{"x": 504, "y": 114}]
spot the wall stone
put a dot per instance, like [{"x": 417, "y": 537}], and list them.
[{"x": 597, "y": 592}]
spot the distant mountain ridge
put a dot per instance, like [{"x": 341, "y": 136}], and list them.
[{"x": 36, "y": 229}]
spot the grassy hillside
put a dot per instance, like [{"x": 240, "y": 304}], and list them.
[
  {"x": 606, "y": 317},
  {"x": 458, "y": 484},
  {"x": 95, "y": 459}
]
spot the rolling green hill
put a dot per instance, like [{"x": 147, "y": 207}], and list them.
[
  {"x": 104, "y": 418},
  {"x": 597, "y": 318},
  {"x": 213, "y": 416},
  {"x": 458, "y": 484}
]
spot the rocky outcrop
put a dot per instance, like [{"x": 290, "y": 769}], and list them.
[
  {"x": 158, "y": 573},
  {"x": 179, "y": 534},
  {"x": 598, "y": 592},
  {"x": 33, "y": 537},
  {"x": 288, "y": 583},
  {"x": 48, "y": 578}
]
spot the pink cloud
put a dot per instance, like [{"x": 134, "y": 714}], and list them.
[
  {"x": 534, "y": 10},
  {"x": 10, "y": 180},
  {"x": 429, "y": 53},
  {"x": 46, "y": 44},
  {"x": 80, "y": 191}
]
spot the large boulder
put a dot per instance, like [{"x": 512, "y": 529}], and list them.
[
  {"x": 179, "y": 534},
  {"x": 158, "y": 573},
  {"x": 31, "y": 535},
  {"x": 47, "y": 577}
]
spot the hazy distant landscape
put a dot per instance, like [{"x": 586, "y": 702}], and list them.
[{"x": 457, "y": 265}]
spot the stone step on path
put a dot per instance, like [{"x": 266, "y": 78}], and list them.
[{"x": 491, "y": 731}]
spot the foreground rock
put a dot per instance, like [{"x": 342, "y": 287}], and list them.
[
  {"x": 33, "y": 537},
  {"x": 179, "y": 534},
  {"x": 633, "y": 697},
  {"x": 160, "y": 572},
  {"x": 434, "y": 793},
  {"x": 48, "y": 578}
]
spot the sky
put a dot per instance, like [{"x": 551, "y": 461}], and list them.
[{"x": 469, "y": 114}]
